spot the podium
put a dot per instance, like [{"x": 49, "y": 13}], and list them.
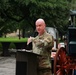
[{"x": 26, "y": 63}]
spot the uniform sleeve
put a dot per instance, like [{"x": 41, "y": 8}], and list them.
[
  {"x": 49, "y": 42},
  {"x": 45, "y": 42},
  {"x": 39, "y": 42},
  {"x": 32, "y": 39}
]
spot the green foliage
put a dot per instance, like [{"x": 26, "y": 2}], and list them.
[
  {"x": 23, "y": 13},
  {"x": 73, "y": 4},
  {"x": 12, "y": 45}
]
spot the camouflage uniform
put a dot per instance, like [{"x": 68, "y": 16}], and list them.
[{"x": 42, "y": 46}]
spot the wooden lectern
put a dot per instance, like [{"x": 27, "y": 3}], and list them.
[{"x": 26, "y": 63}]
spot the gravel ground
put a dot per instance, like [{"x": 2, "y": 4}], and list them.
[{"x": 7, "y": 65}]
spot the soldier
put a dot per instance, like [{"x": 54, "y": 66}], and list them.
[{"x": 42, "y": 45}]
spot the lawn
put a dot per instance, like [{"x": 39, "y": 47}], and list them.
[
  {"x": 6, "y": 43},
  {"x": 13, "y": 40}
]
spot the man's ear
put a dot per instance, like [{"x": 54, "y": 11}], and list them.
[{"x": 45, "y": 25}]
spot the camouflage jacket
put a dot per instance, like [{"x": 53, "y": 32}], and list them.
[{"x": 42, "y": 45}]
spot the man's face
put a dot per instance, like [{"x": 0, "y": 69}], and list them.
[{"x": 40, "y": 27}]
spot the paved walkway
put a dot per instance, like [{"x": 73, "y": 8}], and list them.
[{"x": 7, "y": 65}]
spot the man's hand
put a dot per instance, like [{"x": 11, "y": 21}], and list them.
[{"x": 29, "y": 40}]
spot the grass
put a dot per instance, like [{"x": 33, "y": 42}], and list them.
[{"x": 13, "y": 40}]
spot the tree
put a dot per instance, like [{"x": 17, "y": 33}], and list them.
[
  {"x": 25, "y": 12},
  {"x": 73, "y": 4}
]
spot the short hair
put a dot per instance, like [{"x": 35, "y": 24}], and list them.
[{"x": 40, "y": 20}]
